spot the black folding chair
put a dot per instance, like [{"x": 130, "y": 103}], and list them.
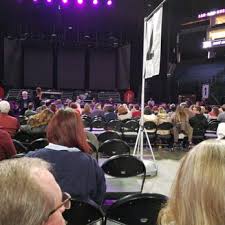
[
  {"x": 97, "y": 126},
  {"x": 136, "y": 209},
  {"x": 114, "y": 125},
  {"x": 108, "y": 135},
  {"x": 83, "y": 213},
  {"x": 130, "y": 131},
  {"x": 38, "y": 144},
  {"x": 20, "y": 148},
  {"x": 121, "y": 179},
  {"x": 211, "y": 130},
  {"x": 151, "y": 127},
  {"x": 163, "y": 133},
  {"x": 114, "y": 147}
]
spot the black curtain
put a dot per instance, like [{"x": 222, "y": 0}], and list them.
[
  {"x": 71, "y": 68},
  {"x": 123, "y": 77},
  {"x": 38, "y": 64},
  {"x": 13, "y": 63},
  {"x": 102, "y": 69}
]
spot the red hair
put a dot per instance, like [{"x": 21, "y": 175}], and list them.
[{"x": 66, "y": 128}]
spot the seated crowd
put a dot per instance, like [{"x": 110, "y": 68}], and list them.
[{"x": 39, "y": 196}]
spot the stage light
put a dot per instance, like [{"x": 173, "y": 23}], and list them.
[
  {"x": 109, "y": 2},
  {"x": 64, "y": 1},
  {"x": 49, "y": 1},
  {"x": 95, "y": 2},
  {"x": 35, "y": 1},
  {"x": 80, "y": 2}
]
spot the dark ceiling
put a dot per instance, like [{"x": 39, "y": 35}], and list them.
[{"x": 124, "y": 16}]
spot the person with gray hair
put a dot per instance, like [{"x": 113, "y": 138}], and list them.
[
  {"x": 7, "y": 122},
  {"x": 30, "y": 194}
]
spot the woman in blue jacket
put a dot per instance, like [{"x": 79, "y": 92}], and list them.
[{"x": 69, "y": 153}]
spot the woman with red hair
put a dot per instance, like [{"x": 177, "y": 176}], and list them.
[{"x": 75, "y": 170}]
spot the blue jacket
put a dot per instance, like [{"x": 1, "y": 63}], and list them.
[{"x": 75, "y": 171}]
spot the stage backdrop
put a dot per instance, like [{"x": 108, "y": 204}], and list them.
[
  {"x": 38, "y": 64},
  {"x": 71, "y": 68},
  {"x": 102, "y": 69}
]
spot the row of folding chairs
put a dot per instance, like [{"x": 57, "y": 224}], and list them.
[
  {"x": 137, "y": 209},
  {"x": 25, "y": 147}
]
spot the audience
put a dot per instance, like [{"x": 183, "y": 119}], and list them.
[
  {"x": 197, "y": 196},
  {"x": 30, "y": 194},
  {"x": 8, "y": 123},
  {"x": 7, "y": 148},
  {"x": 123, "y": 113},
  {"x": 76, "y": 171}
]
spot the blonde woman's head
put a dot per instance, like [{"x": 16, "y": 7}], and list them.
[{"x": 197, "y": 196}]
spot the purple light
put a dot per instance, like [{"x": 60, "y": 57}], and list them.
[
  {"x": 95, "y": 2},
  {"x": 80, "y": 2},
  {"x": 64, "y": 1},
  {"x": 49, "y": 1},
  {"x": 109, "y": 2},
  {"x": 35, "y": 1}
]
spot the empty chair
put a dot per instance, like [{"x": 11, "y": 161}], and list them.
[
  {"x": 130, "y": 130},
  {"x": 114, "y": 147},
  {"x": 122, "y": 176},
  {"x": 20, "y": 147},
  {"x": 211, "y": 130},
  {"x": 108, "y": 135},
  {"x": 82, "y": 213},
  {"x": 97, "y": 126},
  {"x": 115, "y": 125},
  {"x": 136, "y": 209},
  {"x": 38, "y": 144}
]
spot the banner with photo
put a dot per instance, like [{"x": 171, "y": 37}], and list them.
[{"x": 152, "y": 44}]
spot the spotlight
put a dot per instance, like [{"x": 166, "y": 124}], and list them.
[
  {"x": 35, "y": 1},
  {"x": 64, "y": 1},
  {"x": 109, "y": 2},
  {"x": 80, "y": 2},
  {"x": 49, "y": 1},
  {"x": 95, "y": 2}
]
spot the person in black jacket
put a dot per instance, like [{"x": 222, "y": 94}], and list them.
[{"x": 198, "y": 122}]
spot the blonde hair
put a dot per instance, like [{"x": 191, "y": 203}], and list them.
[
  {"x": 23, "y": 200},
  {"x": 41, "y": 119},
  {"x": 197, "y": 196}
]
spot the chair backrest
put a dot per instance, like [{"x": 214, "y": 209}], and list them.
[
  {"x": 114, "y": 125},
  {"x": 213, "y": 125},
  {"x": 165, "y": 126},
  {"x": 86, "y": 121},
  {"x": 97, "y": 124},
  {"x": 150, "y": 125},
  {"x": 114, "y": 147},
  {"x": 20, "y": 148},
  {"x": 131, "y": 125},
  {"x": 108, "y": 135},
  {"x": 137, "y": 209},
  {"x": 38, "y": 144},
  {"x": 125, "y": 166},
  {"x": 82, "y": 213}
]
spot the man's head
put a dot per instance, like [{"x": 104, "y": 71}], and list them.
[
  {"x": 29, "y": 193},
  {"x": 4, "y": 107},
  {"x": 24, "y": 94}
]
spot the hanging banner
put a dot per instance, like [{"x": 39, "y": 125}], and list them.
[
  {"x": 205, "y": 91},
  {"x": 152, "y": 44}
]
